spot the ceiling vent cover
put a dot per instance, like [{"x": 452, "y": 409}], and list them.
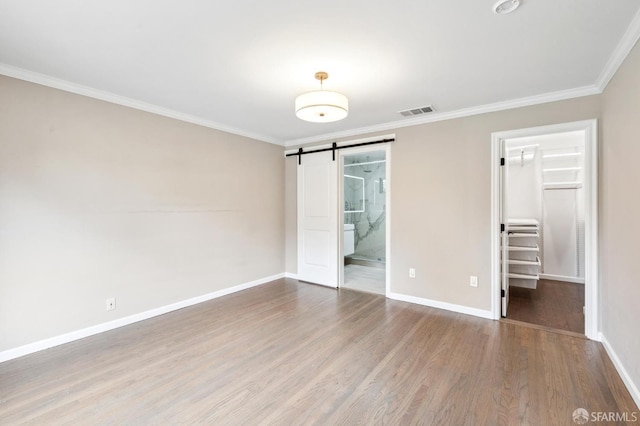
[{"x": 417, "y": 111}]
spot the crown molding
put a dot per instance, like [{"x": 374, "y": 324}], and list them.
[
  {"x": 465, "y": 112},
  {"x": 622, "y": 50},
  {"x": 67, "y": 86}
]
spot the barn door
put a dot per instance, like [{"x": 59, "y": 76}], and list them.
[{"x": 318, "y": 219}]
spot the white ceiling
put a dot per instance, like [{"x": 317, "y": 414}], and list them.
[{"x": 238, "y": 65}]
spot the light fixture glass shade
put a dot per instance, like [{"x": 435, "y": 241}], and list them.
[{"x": 322, "y": 106}]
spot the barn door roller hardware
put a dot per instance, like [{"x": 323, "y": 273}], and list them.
[{"x": 334, "y": 148}]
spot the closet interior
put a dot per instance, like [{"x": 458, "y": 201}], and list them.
[{"x": 545, "y": 228}]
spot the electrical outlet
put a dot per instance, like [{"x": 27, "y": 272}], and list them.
[
  {"x": 473, "y": 281},
  {"x": 412, "y": 272},
  {"x": 111, "y": 303}
]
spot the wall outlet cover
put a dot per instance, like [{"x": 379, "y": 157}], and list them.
[{"x": 111, "y": 303}]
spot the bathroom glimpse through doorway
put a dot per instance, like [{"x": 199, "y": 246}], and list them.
[{"x": 364, "y": 208}]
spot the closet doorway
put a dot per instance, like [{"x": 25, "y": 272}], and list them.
[{"x": 547, "y": 204}]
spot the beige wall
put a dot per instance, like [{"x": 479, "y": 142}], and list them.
[
  {"x": 99, "y": 200},
  {"x": 620, "y": 214},
  {"x": 441, "y": 200}
]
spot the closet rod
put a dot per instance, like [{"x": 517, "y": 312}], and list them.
[
  {"x": 518, "y": 148},
  {"x": 569, "y": 154},
  {"x": 563, "y": 169},
  {"x": 562, "y": 185},
  {"x": 335, "y": 147}
]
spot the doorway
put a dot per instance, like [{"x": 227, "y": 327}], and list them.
[
  {"x": 321, "y": 214},
  {"x": 546, "y": 190},
  {"x": 364, "y": 202}
]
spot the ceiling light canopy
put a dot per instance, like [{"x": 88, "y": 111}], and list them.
[
  {"x": 322, "y": 106},
  {"x": 503, "y": 7}
]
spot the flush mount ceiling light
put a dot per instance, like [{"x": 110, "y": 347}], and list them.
[
  {"x": 505, "y": 6},
  {"x": 322, "y": 106}
]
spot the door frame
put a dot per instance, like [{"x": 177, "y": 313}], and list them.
[
  {"x": 363, "y": 150},
  {"x": 504, "y": 236},
  {"x": 590, "y": 127}
]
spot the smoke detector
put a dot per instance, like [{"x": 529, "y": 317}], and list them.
[{"x": 503, "y": 7}]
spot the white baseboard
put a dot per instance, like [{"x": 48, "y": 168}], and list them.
[
  {"x": 291, "y": 275},
  {"x": 121, "y": 322},
  {"x": 442, "y": 305},
  {"x": 562, "y": 278},
  {"x": 631, "y": 387}
]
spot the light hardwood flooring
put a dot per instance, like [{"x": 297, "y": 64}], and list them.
[
  {"x": 553, "y": 304},
  {"x": 364, "y": 278},
  {"x": 293, "y": 353}
]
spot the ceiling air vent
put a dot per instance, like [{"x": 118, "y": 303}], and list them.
[{"x": 417, "y": 111}]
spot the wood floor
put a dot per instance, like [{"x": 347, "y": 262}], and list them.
[
  {"x": 293, "y": 353},
  {"x": 364, "y": 278},
  {"x": 554, "y": 304}
]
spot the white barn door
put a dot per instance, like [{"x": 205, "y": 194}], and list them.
[{"x": 318, "y": 219}]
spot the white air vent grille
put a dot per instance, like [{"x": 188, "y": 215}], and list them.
[{"x": 416, "y": 111}]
